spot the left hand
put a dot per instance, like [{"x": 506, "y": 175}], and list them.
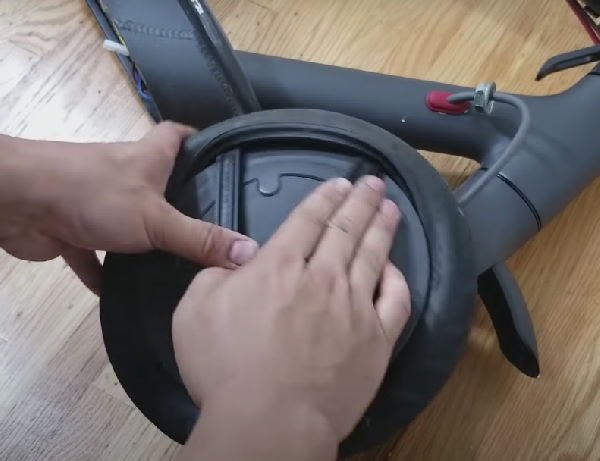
[{"x": 68, "y": 199}]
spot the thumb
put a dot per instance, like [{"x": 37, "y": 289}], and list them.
[
  {"x": 201, "y": 242},
  {"x": 167, "y": 136}
]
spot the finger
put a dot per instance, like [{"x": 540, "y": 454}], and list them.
[
  {"x": 198, "y": 241},
  {"x": 305, "y": 225},
  {"x": 373, "y": 252},
  {"x": 168, "y": 129},
  {"x": 33, "y": 247},
  {"x": 348, "y": 225},
  {"x": 167, "y": 136},
  {"x": 86, "y": 266},
  {"x": 393, "y": 305}
]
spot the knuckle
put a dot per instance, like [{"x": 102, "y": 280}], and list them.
[
  {"x": 327, "y": 274},
  {"x": 373, "y": 260},
  {"x": 209, "y": 241},
  {"x": 344, "y": 223},
  {"x": 369, "y": 195},
  {"x": 329, "y": 195},
  {"x": 317, "y": 209},
  {"x": 370, "y": 202},
  {"x": 313, "y": 215},
  {"x": 373, "y": 199},
  {"x": 288, "y": 256},
  {"x": 318, "y": 284}
]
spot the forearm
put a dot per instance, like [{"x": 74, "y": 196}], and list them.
[
  {"x": 19, "y": 184},
  {"x": 32, "y": 180},
  {"x": 251, "y": 430}
]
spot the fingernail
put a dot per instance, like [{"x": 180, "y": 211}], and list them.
[
  {"x": 242, "y": 251},
  {"x": 342, "y": 184},
  {"x": 390, "y": 209},
  {"x": 374, "y": 183}
]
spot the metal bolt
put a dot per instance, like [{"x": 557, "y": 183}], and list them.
[{"x": 483, "y": 100}]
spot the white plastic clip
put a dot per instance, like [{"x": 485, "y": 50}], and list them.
[{"x": 115, "y": 47}]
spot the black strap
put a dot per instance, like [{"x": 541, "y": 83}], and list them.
[
  {"x": 239, "y": 94},
  {"x": 220, "y": 58}
]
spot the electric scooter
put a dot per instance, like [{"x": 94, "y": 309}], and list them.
[{"x": 271, "y": 129}]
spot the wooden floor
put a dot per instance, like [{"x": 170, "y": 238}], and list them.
[{"x": 59, "y": 399}]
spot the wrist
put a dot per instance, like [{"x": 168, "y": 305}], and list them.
[{"x": 247, "y": 426}]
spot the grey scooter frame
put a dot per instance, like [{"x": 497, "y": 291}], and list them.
[{"x": 559, "y": 157}]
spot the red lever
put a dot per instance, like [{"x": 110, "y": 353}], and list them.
[{"x": 437, "y": 101}]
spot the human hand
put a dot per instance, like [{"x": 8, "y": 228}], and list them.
[
  {"x": 67, "y": 199},
  {"x": 302, "y": 335}
]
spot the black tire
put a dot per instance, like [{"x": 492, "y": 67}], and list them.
[{"x": 436, "y": 339}]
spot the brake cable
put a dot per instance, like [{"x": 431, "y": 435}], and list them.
[{"x": 483, "y": 98}]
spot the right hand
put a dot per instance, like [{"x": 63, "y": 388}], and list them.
[{"x": 309, "y": 324}]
